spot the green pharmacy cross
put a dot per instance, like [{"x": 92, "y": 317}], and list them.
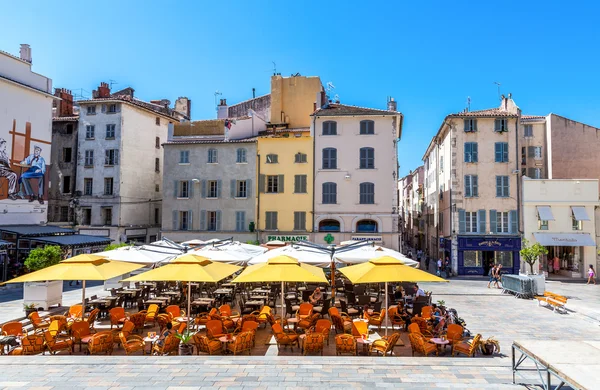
[{"x": 329, "y": 238}]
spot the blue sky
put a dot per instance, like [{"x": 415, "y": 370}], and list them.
[{"x": 430, "y": 56}]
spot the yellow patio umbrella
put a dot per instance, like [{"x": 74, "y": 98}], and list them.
[
  {"x": 281, "y": 269},
  {"x": 188, "y": 268},
  {"x": 81, "y": 267},
  {"x": 386, "y": 269}
]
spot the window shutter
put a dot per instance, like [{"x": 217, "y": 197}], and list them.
[
  {"x": 498, "y": 151},
  {"x": 497, "y": 125},
  {"x": 530, "y": 151},
  {"x": 462, "y": 223},
  {"x": 296, "y": 184},
  {"x": 498, "y": 186},
  {"x": 504, "y": 152},
  {"x": 531, "y": 172},
  {"x": 202, "y": 219},
  {"x": 215, "y": 156},
  {"x": 468, "y": 152},
  {"x": 296, "y": 220},
  {"x": 190, "y": 220},
  {"x": 103, "y": 109},
  {"x": 468, "y": 186},
  {"x": 218, "y": 216},
  {"x": 280, "y": 183},
  {"x": 481, "y": 221},
  {"x": 493, "y": 221},
  {"x": 474, "y": 156},
  {"x": 106, "y": 157},
  {"x": 190, "y": 189},
  {"x": 507, "y": 185},
  {"x": 363, "y": 127},
  {"x": 513, "y": 220},
  {"x": 176, "y": 187},
  {"x": 474, "y": 185},
  {"x": 219, "y": 185},
  {"x": 248, "y": 188},
  {"x": 203, "y": 194},
  {"x": 466, "y": 124},
  {"x": 175, "y": 220},
  {"x": 233, "y": 189},
  {"x": 474, "y": 121},
  {"x": 261, "y": 184},
  {"x": 274, "y": 220}
]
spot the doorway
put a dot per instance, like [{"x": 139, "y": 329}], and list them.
[{"x": 488, "y": 261}]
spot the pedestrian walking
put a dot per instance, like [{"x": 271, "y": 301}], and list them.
[
  {"x": 447, "y": 266},
  {"x": 591, "y": 275},
  {"x": 498, "y": 275},
  {"x": 427, "y": 260},
  {"x": 439, "y": 267},
  {"x": 492, "y": 275}
]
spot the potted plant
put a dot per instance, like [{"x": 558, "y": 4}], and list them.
[
  {"x": 29, "y": 308},
  {"x": 185, "y": 345},
  {"x": 530, "y": 255},
  {"x": 489, "y": 346},
  {"x": 441, "y": 304},
  {"x": 48, "y": 293}
]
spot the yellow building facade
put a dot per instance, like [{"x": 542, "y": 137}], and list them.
[{"x": 285, "y": 161}]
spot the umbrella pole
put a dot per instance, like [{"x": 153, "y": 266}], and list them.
[
  {"x": 282, "y": 303},
  {"x": 82, "y": 299},
  {"x": 189, "y": 313},
  {"x": 386, "y": 308}
]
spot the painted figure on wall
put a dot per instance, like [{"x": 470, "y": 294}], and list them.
[
  {"x": 6, "y": 171},
  {"x": 36, "y": 168}
]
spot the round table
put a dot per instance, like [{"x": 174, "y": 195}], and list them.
[
  {"x": 440, "y": 342},
  {"x": 365, "y": 343},
  {"x": 226, "y": 339}
]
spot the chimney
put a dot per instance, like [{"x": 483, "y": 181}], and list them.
[
  {"x": 183, "y": 105},
  {"x": 222, "y": 109},
  {"x": 25, "y": 52},
  {"x": 65, "y": 105},
  {"x": 392, "y": 105},
  {"x": 103, "y": 90}
]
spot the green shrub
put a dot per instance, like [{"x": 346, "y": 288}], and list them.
[
  {"x": 43, "y": 257},
  {"x": 110, "y": 247}
]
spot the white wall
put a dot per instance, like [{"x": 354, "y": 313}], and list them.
[{"x": 20, "y": 71}]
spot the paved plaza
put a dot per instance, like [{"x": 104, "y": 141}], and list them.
[{"x": 485, "y": 311}]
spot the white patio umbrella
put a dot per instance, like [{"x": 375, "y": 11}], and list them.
[
  {"x": 221, "y": 255},
  {"x": 303, "y": 254},
  {"x": 365, "y": 253}
]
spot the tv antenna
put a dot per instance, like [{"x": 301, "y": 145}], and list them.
[
  {"x": 498, "y": 84},
  {"x": 274, "y": 68},
  {"x": 111, "y": 82},
  {"x": 217, "y": 93},
  {"x": 468, "y": 103}
]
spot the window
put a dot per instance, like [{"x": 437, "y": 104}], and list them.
[
  {"x": 213, "y": 189},
  {"x": 110, "y": 131},
  {"x": 111, "y": 157},
  {"x": 89, "y": 158},
  {"x": 471, "y": 186},
  {"x": 90, "y": 131},
  {"x": 523, "y": 156},
  {"x": 367, "y": 193},
  {"x": 241, "y": 189},
  {"x": 504, "y": 257},
  {"x": 577, "y": 225},
  {"x": 329, "y": 225},
  {"x": 471, "y": 222},
  {"x": 212, "y": 156},
  {"x": 157, "y": 142},
  {"x": 299, "y": 220},
  {"x": 64, "y": 213},
  {"x": 329, "y": 128},
  {"x": 184, "y": 157},
  {"x": 273, "y": 184},
  {"x": 271, "y": 220},
  {"x": 367, "y": 158},
  {"x": 88, "y": 186},
  {"x": 69, "y": 129},
  {"x": 66, "y": 187},
  {"x": 470, "y": 125},
  {"x": 272, "y": 159},
  {"x": 184, "y": 220},
  {"x": 366, "y": 226},
  {"x": 300, "y": 184},
  {"x": 367, "y": 127},
  {"x": 108, "y": 185},
  {"x": 156, "y": 188},
  {"x": 501, "y": 125},
  {"x": 112, "y": 108},
  {"x": 472, "y": 259},
  {"x": 91, "y": 110},
  {"x": 537, "y": 152},
  {"x": 300, "y": 158},
  {"x": 157, "y": 164},
  {"x": 211, "y": 221},
  {"x": 87, "y": 216},
  {"x": 240, "y": 221},
  {"x": 542, "y": 225},
  {"x": 107, "y": 211},
  {"x": 156, "y": 216},
  {"x": 441, "y": 163},
  {"x": 67, "y": 155},
  {"x": 329, "y": 193},
  {"x": 502, "y": 224},
  {"x": 471, "y": 153},
  {"x": 241, "y": 156},
  {"x": 157, "y": 121},
  {"x": 534, "y": 173},
  {"x": 184, "y": 189},
  {"x": 501, "y": 151},
  {"x": 528, "y": 131},
  {"x": 502, "y": 187},
  {"x": 329, "y": 158}
]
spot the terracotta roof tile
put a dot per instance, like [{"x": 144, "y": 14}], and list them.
[
  {"x": 192, "y": 140},
  {"x": 335, "y": 109},
  {"x": 136, "y": 102},
  {"x": 489, "y": 112},
  {"x": 66, "y": 119},
  {"x": 532, "y": 117},
  {"x": 199, "y": 128}
]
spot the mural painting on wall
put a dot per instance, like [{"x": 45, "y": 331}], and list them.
[{"x": 23, "y": 168}]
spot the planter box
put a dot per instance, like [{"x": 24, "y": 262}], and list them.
[
  {"x": 43, "y": 294},
  {"x": 539, "y": 283}
]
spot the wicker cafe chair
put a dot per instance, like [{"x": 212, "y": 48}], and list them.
[
  {"x": 118, "y": 316},
  {"x": 305, "y": 310},
  {"x": 81, "y": 333},
  {"x": 376, "y": 318},
  {"x": 385, "y": 345},
  {"x": 242, "y": 343},
  {"x": 308, "y": 322},
  {"x": 345, "y": 344},
  {"x": 169, "y": 347},
  {"x": 91, "y": 319},
  {"x": 454, "y": 334},
  {"x": 138, "y": 320},
  {"x": 132, "y": 343},
  {"x": 151, "y": 314},
  {"x": 214, "y": 329},
  {"x": 173, "y": 310},
  {"x": 466, "y": 348},
  {"x": 314, "y": 343},
  {"x": 14, "y": 328},
  {"x": 324, "y": 327},
  {"x": 30, "y": 345},
  {"x": 395, "y": 319},
  {"x": 101, "y": 342},
  {"x": 55, "y": 344},
  {"x": 284, "y": 338},
  {"x": 37, "y": 322},
  {"x": 419, "y": 344},
  {"x": 205, "y": 345}
]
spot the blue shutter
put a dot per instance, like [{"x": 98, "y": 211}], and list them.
[
  {"x": 468, "y": 186},
  {"x": 202, "y": 219},
  {"x": 219, "y": 185},
  {"x": 468, "y": 151},
  {"x": 507, "y": 185},
  {"x": 175, "y": 220},
  {"x": 498, "y": 186},
  {"x": 203, "y": 193},
  {"x": 504, "y": 152},
  {"x": 462, "y": 223},
  {"x": 176, "y": 187},
  {"x": 466, "y": 124},
  {"x": 513, "y": 221},
  {"x": 475, "y": 185},
  {"x": 248, "y": 188},
  {"x": 190, "y": 189},
  {"x": 474, "y": 124},
  {"x": 498, "y": 125},
  {"x": 493, "y": 221},
  {"x": 233, "y": 189},
  {"x": 474, "y": 156},
  {"x": 481, "y": 221},
  {"x": 218, "y": 212},
  {"x": 498, "y": 151},
  {"x": 190, "y": 220}
]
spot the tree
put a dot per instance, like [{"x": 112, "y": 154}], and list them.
[
  {"x": 110, "y": 247},
  {"x": 531, "y": 253},
  {"x": 43, "y": 257}
]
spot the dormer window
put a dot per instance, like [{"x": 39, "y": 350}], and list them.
[{"x": 501, "y": 125}]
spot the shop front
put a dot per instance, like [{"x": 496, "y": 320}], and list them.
[
  {"x": 568, "y": 253},
  {"x": 477, "y": 254}
]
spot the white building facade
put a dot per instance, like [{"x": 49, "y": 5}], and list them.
[{"x": 356, "y": 174}]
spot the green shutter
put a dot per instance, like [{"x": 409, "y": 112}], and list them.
[
  {"x": 493, "y": 221},
  {"x": 481, "y": 221},
  {"x": 504, "y": 152},
  {"x": 280, "y": 184},
  {"x": 296, "y": 184},
  {"x": 466, "y": 124},
  {"x": 497, "y": 125},
  {"x": 474, "y": 185},
  {"x": 261, "y": 184},
  {"x": 248, "y": 188},
  {"x": 513, "y": 220},
  {"x": 474, "y": 124},
  {"x": 275, "y": 220},
  {"x": 530, "y": 151},
  {"x": 462, "y": 222}
]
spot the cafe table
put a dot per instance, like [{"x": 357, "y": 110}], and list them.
[{"x": 439, "y": 342}]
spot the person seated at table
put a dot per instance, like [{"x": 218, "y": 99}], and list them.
[
  {"x": 168, "y": 330},
  {"x": 316, "y": 296},
  {"x": 402, "y": 313},
  {"x": 399, "y": 293},
  {"x": 419, "y": 291}
]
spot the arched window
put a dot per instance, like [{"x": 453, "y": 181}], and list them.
[
  {"x": 366, "y": 226},
  {"x": 367, "y": 158},
  {"x": 329, "y": 128},
  {"x": 329, "y": 193},
  {"x": 329, "y": 158},
  {"x": 329, "y": 225},
  {"x": 367, "y": 127},
  {"x": 241, "y": 156},
  {"x": 367, "y": 193},
  {"x": 212, "y": 156}
]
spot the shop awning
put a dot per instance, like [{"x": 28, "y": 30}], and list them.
[
  {"x": 564, "y": 239},
  {"x": 74, "y": 240},
  {"x": 545, "y": 213},
  {"x": 580, "y": 213}
]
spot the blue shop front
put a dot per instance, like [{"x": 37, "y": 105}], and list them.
[{"x": 477, "y": 254}]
